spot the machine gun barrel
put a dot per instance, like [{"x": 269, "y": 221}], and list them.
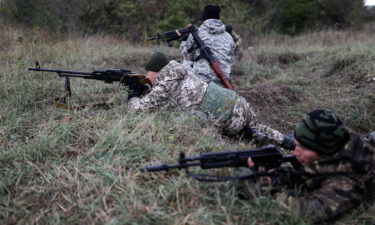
[
  {"x": 172, "y": 35},
  {"x": 60, "y": 71}
]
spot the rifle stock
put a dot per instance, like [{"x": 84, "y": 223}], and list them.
[{"x": 219, "y": 73}]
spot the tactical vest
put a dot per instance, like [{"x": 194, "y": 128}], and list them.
[{"x": 218, "y": 101}]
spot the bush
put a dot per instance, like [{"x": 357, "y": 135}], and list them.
[{"x": 137, "y": 19}]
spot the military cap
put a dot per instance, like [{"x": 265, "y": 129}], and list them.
[
  {"x": 211, "y": 11},
  {"x": 156, "y": 62},
  {"x": 322, "y": 131}
]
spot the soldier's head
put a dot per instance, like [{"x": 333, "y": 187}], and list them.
[
  {"x": 156, "y": 62},
  {"x": 320, "y": 133},
  {"x": 211, "y": 11}
]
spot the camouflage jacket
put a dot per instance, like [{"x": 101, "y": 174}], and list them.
[
  {"x": 333, "y": 185},
  {"x": 176, "y": 86},
  {"x": 213, "y": 34}
]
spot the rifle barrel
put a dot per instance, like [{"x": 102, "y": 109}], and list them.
[
  {"x": 61, "y": 71},
  {"x": 84, "y": 76},
  {"x": 152, "y": 38},
  {"x": 172, "y": 35},
  {"x": 168, "y": 166}
]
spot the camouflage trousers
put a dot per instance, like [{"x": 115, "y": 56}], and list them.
[{"x": 243, "y": 116}]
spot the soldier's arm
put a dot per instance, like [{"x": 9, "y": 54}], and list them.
[
  {"x": 186, "y": 49},
  {"x": 157, "y": 98},
  {"x": 237, "y": 39},
  {"x": 336, "y": 196},
  {"x": 264, "y": 134}
]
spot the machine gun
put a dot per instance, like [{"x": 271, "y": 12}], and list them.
[
  {"x": 124, "y": 77},
  {"x": 267, "y": 156},
  {"x": 172, "y": 35}
]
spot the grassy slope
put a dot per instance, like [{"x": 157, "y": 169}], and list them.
[
  {"x": 81, "y": 167},
  {"x": 332, "y": 70}
]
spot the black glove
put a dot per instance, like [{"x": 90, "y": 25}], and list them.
[
  {"x": 288, "y": 142},
  {"x": 136, "y": 89},
  {"x": 259, "y": 137}
]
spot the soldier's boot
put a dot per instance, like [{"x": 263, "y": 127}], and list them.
[
  {"x": 371, "y": 138},
  {"x": 260, "y": 138}
]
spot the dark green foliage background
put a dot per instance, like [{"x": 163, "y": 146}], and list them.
[{"x": 140, "y": 18}]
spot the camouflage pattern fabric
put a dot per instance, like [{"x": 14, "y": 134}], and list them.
[
  {"x": 273, "y": 136},
  {"x": 175, "y": 87},
  {"x": 213, "y": 34},
  {"x": 341, "y": 182},
  {"x": 219, "y": 101},
  {"x": 178, "y": 87}
]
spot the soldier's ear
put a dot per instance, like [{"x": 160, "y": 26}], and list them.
[{"x": 151, "y": 75}]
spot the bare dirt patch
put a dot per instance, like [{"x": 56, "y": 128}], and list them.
[
  {"x": 272, "y": 103},
  {"x": 283, "y": 59}
]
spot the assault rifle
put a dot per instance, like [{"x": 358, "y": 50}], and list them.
[
  {"x": 267, "y": 156},
  {"x": 124, "y": 77},
  {"x": 172, "y": 35}
]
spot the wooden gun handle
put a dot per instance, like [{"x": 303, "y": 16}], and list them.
[{"x": 216, "y": 68}]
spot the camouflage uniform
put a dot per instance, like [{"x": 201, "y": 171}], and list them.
[
  {"x": 212, "y": 32},
  {"x": 339, "y": 183},
  {"x": 178, "y": 87}
]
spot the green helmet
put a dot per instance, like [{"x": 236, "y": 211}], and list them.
[
  {"x": 156, "y": 62},
  {"x": 322, "y": 131}
]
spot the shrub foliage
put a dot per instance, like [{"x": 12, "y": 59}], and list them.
[{"x": 134, "y": 19}]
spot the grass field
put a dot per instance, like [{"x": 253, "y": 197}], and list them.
[{"x": 81, "y": 167}]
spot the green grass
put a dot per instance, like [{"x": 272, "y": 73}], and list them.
[{"x": 81, "y": 167}]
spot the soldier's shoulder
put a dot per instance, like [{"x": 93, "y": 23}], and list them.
[{"x": 172, "y": 71}]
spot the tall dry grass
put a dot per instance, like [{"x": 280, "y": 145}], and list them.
[{"x": 81, "y": 167}]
